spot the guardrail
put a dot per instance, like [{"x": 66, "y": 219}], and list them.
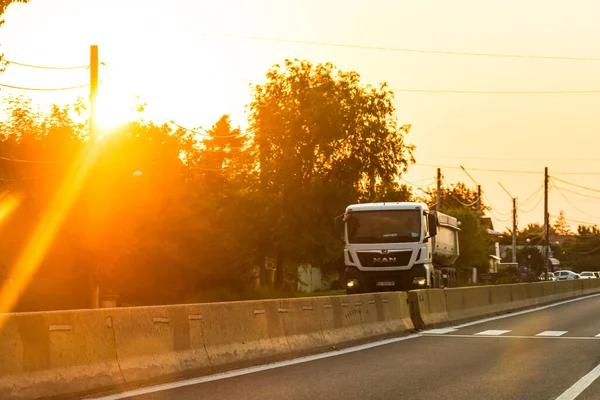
[{"x": 73, "y": 353}]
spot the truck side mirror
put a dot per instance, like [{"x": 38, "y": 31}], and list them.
[{"x": 433, "y": 223}]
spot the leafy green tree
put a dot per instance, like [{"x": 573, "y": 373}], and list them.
[
  {"x": 456, "y": 196},
  {"x": 4, "y": 5},
  {"x": 474, "y": 242},
  {"x": 323, "y": 141}
]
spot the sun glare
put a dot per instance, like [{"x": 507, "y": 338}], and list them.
[{"x": 114, "y": 106}]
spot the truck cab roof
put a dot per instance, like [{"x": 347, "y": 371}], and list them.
[{"x": 387, "y": 206}]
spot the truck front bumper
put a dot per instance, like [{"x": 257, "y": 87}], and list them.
[{"x": 358, "y": 281}]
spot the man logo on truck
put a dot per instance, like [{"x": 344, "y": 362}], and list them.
[{"x": 384, "y": 259}]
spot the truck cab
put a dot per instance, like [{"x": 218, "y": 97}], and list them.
[{"x": 393, "y": 246}]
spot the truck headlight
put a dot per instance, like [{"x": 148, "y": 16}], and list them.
[
  {"x": 419, "y": 281},
  {"x": 352, "y": 283}
]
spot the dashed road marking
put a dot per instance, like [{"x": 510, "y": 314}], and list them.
[
  {"x": 552, "y": 333},
  {"x": 440, "y": 331},
  {"x": 492, "y": 332}
]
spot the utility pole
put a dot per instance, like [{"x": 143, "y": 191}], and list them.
[
  {"x": 93, "y": 87},
  {"x": 438, "y": 203},
  {"x": 95, "y": 288},
  {"x": 514, "y": 228},
  {"x": 479, "y": 210},
  {"x": 514, "y": 232},
  {"x": 546, "y": 222}
]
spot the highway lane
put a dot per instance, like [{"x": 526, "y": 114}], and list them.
[{"x": 535, "y": 355}]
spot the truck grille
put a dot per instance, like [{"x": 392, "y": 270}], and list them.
[{"x": 391, "y": 259}]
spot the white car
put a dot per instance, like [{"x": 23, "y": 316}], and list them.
[
  {"x": 565, "y": 275},
  {"x": 551, "y": 276},
  {"x": 588, "y": 275}
]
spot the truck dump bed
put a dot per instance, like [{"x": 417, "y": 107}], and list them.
[{"x": 445, "y": 243}]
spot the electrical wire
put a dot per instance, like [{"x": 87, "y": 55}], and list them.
[
  {"x": 27, "y": 161},
  {"x": 206, "y": 134},
  {"x": 44, "y": 89},
  {"x": 574, "y": 184},
  {"x": 573, "y": 205},
  {"x": 581, "y": 222},
  {"x": 530, "y": 198},
  {"x": 533, "y": 208},
  {"x": 494, "y": 208},
  {"x": 500, "y": 219},
  {"x": 481, "y": 169},
  {"x": 44, "y": 66},
  {"x": 579, "y": 194},
  {"x": 417, "y": 185},
  {"x": 507, "y": 170},
  {"x": 508, "y": 92},
  {"x": 407, "y": 50}
]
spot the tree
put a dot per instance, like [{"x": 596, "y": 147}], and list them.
[
  {"x": 323, "y": 141},
  {"x": 561, "y": 226},
  {"x": 4, "y": 5},
  {"x": 457, "y": 196},
  {"x": 474, "y": 242}
]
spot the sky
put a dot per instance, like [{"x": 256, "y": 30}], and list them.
[{"x": 188, "y": 61}]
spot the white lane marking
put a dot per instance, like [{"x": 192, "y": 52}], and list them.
[
  {"x": 551, "y": 333},
  {"x": 492, "y": 332},
  {"x": 579, "y": 386},
  {"x": 250, "y": 370},
  {"x": 440, "y": 331},
  {"x": 246, "y": 371},
  {"x": 508, "y": 315},
  {"x": 517, "y": 337}
]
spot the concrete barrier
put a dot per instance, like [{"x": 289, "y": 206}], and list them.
[
  {"x": 435, "y": 307},
  {"x": 78, "y": 352},
  {"x": 302, "y": 325},
  {"x": 428, "y": 308},
  {"x": 51, "y": 354},
  {"x": 244, "y": 333},
  {"x": 467, "y": 303}
]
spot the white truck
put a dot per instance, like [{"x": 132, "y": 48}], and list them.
[{"x": 398, "y": 246}]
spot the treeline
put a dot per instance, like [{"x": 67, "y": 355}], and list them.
[{"x": 158, "y": 212}]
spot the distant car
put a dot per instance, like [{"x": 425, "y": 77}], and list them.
[
  {"x": 551, "y": 276},
  {"x": 565, "y": 275},
  {"x": 588, "y": 275},
  {"x": 597, "y": 274}
]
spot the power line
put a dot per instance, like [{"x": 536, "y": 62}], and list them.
[
  {"x": 508, "y": 92},
  {"x": 533, "y": 208},
  {"x": 45, "y": 66},
  {"x": 432, "y": 180},
  {"x": 580, "y": 222},
  {"x": 482, "y": 169},
  {"x": 206, "y": 134},
  {"x": 500, "y": 219},
  {"x": 494, "y": 208},
  {"x": 44, "y": 89},
  {"x": 574, "y": 184},
  {"x": 579, "y": 194},
  {"x": 27, "y": 161},
  {"x": 573, "y": 205},
  {"x": 507, "y": 170},
  {"x": 408, "y": 50},
  {"x": 535, "y": 193}
]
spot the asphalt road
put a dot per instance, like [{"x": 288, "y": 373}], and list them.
[{"x": 537, "y": 355}]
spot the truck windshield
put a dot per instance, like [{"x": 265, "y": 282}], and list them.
[{"x": 387, "y": 226}]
